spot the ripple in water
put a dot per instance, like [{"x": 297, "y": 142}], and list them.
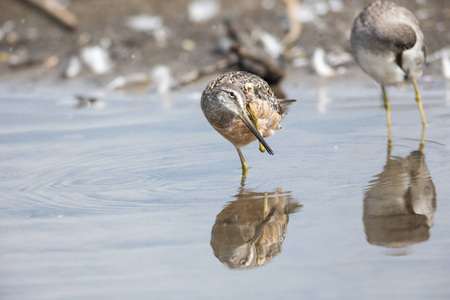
[{"x": 120, "y": 168}]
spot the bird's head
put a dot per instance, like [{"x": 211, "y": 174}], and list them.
[{"x": 232, "y": 101}]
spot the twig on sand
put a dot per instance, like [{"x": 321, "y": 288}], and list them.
[{"x": 57, "y": 11}]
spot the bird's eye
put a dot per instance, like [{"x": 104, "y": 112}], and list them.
[{"x": 232, "y": 95}]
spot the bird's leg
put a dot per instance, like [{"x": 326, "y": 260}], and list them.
[
  {"x": 254, "y": 119},
  {"x": 422, "y": 140},
  {"x": 419, "y": 103},
  {"x": 387, "y": 106},
  {"x": 243, "y": 162}
]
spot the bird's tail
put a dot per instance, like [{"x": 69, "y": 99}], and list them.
[{"x": 284, "y": 104}]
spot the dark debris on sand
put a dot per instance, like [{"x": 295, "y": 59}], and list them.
[{"x": 103, "y": 38}]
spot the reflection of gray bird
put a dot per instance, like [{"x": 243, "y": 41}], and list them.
[
  {"x": 249, "y": 231},
  {"x": 400, "y": 203},
  {"x": 242, "y": 108},
  {"x": 389, "y": 46}
]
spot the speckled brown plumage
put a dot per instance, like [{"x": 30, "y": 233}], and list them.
[
  {"x": 231, "y": 100},
  {"x": 253, "y": 86}
]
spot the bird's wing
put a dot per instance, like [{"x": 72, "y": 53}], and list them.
[{"x": 396, "y": 37}]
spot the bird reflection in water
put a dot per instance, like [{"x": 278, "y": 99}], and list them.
[
  {"x": 249, "y": 232},
  {"x": 400, "y": 203}
]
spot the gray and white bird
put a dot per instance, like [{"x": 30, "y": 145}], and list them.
[{"x": 389, "y": 46}]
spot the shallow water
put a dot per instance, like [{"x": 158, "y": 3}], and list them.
[{"x": 137, "y": 197}]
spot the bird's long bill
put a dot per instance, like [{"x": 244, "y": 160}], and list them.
[{"x": 244, "y": 117}]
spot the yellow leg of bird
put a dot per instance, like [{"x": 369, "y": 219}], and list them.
[
  {"x": 419, "y": 103},
  {"x": 422, "y": 140},
  {"x": 387, "y": 106},
  {"x": 254, "y": 119},
  {"x": 243, "y": 162}
]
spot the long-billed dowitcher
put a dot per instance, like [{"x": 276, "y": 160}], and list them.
[
  {"x": 242, "y": 108},
  {"x": 389, "y": 46}
]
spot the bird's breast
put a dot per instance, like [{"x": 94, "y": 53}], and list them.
[{"x": 381, "y": 66}]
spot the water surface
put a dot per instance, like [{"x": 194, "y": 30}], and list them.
[{"x": 136, "y": 197}]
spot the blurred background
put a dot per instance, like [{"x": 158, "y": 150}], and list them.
[{"x": 105, "y": 38}]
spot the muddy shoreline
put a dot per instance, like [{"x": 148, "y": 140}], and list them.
[{"x": 35, "y": 46}]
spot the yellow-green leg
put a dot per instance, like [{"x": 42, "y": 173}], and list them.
[
  {"x": 422, "y": 140},
  {"x": 254, "y": 119},
  {"x": 387, "y": 106},
  {"x": 419, "y": 103},
  {"x": 243, "y": 162}
]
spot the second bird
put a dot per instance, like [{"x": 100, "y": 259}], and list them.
[
  {"x": 242, "y": 108},
  {"x": 389, "y": 46}
]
